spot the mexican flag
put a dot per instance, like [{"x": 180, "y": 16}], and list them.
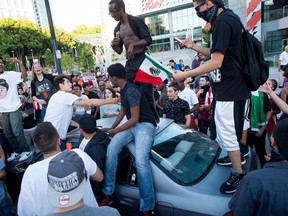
[{"x": 151, "y": 71}]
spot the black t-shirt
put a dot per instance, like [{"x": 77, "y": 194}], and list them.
[
  {"x": 226, "y": 37},
  {"x": 93, "y": 95},
  {"x": 43, "y": 89},
  {"x": 132, "y": 96},
  {"x": 177, "y": 110}
]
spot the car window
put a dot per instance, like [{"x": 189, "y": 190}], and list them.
[{"x": 186, "y": 155}]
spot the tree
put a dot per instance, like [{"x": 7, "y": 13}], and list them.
[
  {"x": 49, "y": 58},
  {"x": 21, "y": 36},
  {"x": 64, "y": 39},
  {"x": 66, "y": 62},
  {"x": 85, "y": 58},
  {"x": 84, "y": 29}
]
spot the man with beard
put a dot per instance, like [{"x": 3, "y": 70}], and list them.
[{"x": 229, "y": 88}]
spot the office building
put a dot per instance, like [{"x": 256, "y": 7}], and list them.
[
  {"x": 16, "y": 9},
  {"x": 166, "y": 19},
  {"x": 40, "y": 13}
]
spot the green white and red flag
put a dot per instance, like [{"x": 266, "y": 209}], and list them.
[{"x": 151, "y": 71}]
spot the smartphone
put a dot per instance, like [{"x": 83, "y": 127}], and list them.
[{"x": 177, "y": 39}]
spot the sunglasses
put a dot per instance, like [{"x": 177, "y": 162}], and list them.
[{"x": 198, "y": 7}]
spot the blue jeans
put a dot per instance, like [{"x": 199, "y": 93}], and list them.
[
  {"x": 13, "y": 129},
  {"x": 43, "y": 112},
  {"x": 143, "y": 136}
]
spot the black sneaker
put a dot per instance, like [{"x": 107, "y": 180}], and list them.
[
  {"x": 225, "y": 161},
  {"x": 105, "y": 200},
  {"x": 246, "y": 153},
  {"x": 230, "y": 186},
  {"x": 244, "y": 149}
]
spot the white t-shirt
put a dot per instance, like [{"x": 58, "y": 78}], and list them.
[
  {"x": 60, "y": 110},
  {"x": 83, "y": 144},
  {"x": 283, "y": 58},
  {"x": 80, "y": 110},
  {"x": 188, "y": 95},
  {"x": 33, "y": 195},
  {"x": 9, "y": 99}
]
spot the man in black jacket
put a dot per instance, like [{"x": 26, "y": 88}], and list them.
[{"x": 94, "y": 144}]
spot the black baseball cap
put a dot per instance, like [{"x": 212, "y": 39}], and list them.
[{"x": 87, "y": 123}]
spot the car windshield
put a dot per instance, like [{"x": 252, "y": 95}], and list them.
[{"x": 185, "y": 154}]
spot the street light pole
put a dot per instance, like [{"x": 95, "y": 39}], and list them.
[
  {"x": 32, "y": 56},
  {"x": 75, "y": 51},
  {"x": 17, "y": 66},
  {"x": 53, "y": 37}
]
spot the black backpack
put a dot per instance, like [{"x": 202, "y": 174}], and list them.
[{"x": 255, "y": 68}]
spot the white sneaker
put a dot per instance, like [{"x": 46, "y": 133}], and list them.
[
  {"x": 13, "y": 156},
  {"x": 25, "y": 155}
]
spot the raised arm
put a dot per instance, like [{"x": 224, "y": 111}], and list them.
[
  {"x": 22, "y": 68},
  {"x": 280, "y": 103}
]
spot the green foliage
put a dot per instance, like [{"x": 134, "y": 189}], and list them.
[
  {"x": 9, "y": 66},
  {"x": 66, "y": 62},
  {"x": 64, "y": 39},
  {"x": 21, "y": 36},
  {"x": 85, "y": 58},
  {"x": 84, "y": 29},
  {"x": 49, "y": 58},
  {"x": 206, "y": 37}
]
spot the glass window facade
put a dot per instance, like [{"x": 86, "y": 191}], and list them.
[
  {"x": 276, "y": 41},
  {"x": 184, "y": 23},
  {"x": 184, "y": 19},
  {"x": 160, "y": 45},
  {"x": 276, "y": 11},
  {"x": 158, "y": 24}
]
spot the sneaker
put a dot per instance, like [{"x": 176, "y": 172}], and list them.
[
  {"x": 225, "y": 161},
  {"x": 105, "y": 200},
  {"x": 25, "y": 155},
  {"x": 246, "y": 153},
  {"x": 230, "y": 186},
  {"x": 244, "y": 149},
  {"x": 13, "y": 156},
  {"x": 148, "y": 213}
]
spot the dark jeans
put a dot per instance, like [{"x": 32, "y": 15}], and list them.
[
  {"x": 259, "y": 143},
  {"x": 5, "y": 203},
  {"x": 13, "y": 129},
  {"x": 203, "y": 125}
]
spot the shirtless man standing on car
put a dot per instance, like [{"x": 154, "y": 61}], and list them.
[{"x": 133, "y": 33}]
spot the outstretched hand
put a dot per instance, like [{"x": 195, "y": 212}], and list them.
[
  {"x": 189, "y": 43},
  {"x": 265, "y": 88},
  {"x": 179, "y": 75}
]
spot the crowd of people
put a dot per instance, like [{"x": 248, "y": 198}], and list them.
[{"x": 211, "y": 96}]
